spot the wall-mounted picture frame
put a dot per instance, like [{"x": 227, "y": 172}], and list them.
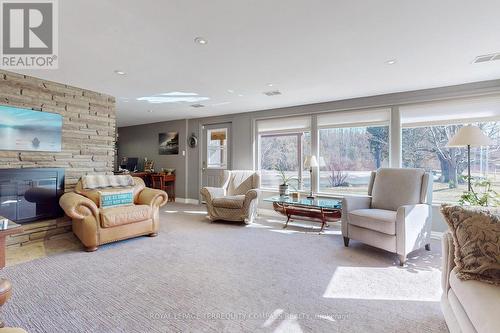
[
  {"x": 168, "y": 143},
  {"x": 28, "y": 130}
]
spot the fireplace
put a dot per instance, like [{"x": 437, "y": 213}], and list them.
[{"x": 31, "y": 194}]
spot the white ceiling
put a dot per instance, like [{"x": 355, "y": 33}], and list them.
[{"x": 312, "y": 51}]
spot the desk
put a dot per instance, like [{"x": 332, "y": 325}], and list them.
[
  {"x": 6, "y": 230},
  {"x": 164, "y": 182}
]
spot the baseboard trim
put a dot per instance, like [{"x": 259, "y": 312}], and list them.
[{"x": 187, "y": 201}]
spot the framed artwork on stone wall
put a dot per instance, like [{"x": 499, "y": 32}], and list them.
[{"x": 27, "y": 130}]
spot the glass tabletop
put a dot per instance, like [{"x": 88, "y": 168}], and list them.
[{"x": 316, "y": 202}]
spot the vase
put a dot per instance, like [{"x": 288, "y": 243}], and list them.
[{"x": 283, "y": 190}]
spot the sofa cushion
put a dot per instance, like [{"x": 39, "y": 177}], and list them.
[
  {"x": 394, "y": 188},
  {"x": 380, "y": 220},
  {"x": 476, "y": 238},
  {"x": 112, "y": 217},
  {"x": 231, "y": 202},
  {"x": 480, "y": 301}
]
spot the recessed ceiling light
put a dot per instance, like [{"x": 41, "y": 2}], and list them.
[
  {"x": 230, "y": 91},
  {"x": 270, "y": 84},
  {"x": 173, "y": 97},
  {"x": 200, "y": 40},
  {"x": 118, "y": 72},
  {"x": 391, "y": 62},
  {"x": 150, "y": 111}
]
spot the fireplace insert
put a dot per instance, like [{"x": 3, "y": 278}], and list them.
[{"x": 30, "y": 194}]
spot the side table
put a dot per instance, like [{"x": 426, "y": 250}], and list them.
[{"x": 7, "y": 228}]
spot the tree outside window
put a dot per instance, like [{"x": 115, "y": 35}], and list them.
[
  {"x": 425, "y": 147},
  {"x": 348, "y": 155}
]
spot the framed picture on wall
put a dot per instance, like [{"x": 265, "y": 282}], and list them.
[
  {"x": 25, "y": 129},
  {"x": 168, "y": 143}
]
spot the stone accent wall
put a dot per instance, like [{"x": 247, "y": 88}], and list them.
[{"x": 88, "y": 138}]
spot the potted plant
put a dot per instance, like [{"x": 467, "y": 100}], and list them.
[
  {"x": 486, "y": 196},
  {"x": 285, "y": 181}
]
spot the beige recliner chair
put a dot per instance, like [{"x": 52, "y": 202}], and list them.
[
  {"x": 396, "y": 214},
  {"x": 236, "y": 200},
  {"x": 95, "y": 226}
]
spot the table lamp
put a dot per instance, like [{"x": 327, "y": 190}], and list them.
[
  {"x": 310, "y": 163},
  {"x": 469, "y": 136}
]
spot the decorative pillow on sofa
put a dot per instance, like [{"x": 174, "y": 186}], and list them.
[
  {"x": 476, "y": 236},
  {"x": 108, "y": 199}
]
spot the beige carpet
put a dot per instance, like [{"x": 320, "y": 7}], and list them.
[{"x": 220, "y": 277}]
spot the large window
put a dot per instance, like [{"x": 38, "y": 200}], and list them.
[
  {"x": 283, "y": 145},
  {"x": 427, "y": 128},
  {"x": 351, "y": 146},
  {"x": 285, "y": 152},
  {"x": 349, "y": 155},
  {"x": 425, "y": 147}
]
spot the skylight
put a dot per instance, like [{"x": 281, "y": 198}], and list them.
[{"x": 173, "y": 97}]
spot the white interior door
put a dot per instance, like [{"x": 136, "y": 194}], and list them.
[{"x": 216, "y": 156}]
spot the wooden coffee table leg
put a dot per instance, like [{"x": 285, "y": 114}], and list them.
[
  {"x": 323, "y": 221},
  {"x": 287, "y": 215},
  {"x": 287, "y": 220}
]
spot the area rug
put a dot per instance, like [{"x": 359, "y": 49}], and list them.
[{"x": 198, "y": 276}]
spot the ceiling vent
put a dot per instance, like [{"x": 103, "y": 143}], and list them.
[
  {"x": 272, "y": 93},
  {"x": 197, "y": 105},
  {"x": 486, "y": 58}
]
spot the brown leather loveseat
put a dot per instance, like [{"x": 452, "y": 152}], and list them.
[{"x": 95, "y": 226}]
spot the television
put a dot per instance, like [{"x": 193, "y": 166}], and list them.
[{"x": 29, "y": 130}]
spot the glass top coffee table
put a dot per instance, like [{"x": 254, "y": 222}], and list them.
[{"x": 319, "y": 210}]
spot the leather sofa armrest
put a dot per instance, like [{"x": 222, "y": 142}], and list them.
[
  {"x": 149, "y": 196},
  {"x": 209, "y": 193},
  {"x": 77, "y": 206}
]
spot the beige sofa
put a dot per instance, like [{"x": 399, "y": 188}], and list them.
[
  {"x": 395, "y": 216},
  {"x": 468, "y": 306},
  {"x": 236, "y": 200},
  {"x": 95, "y": 226}
]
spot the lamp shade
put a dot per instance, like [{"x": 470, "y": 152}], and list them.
[
  {"x": 310, "y": 162},
  {"x": 469, "y": 135}
]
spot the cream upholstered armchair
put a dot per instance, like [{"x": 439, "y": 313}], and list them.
[
  {"x": 396, "y": 214},
  {"x": 236, "y": 200}
]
